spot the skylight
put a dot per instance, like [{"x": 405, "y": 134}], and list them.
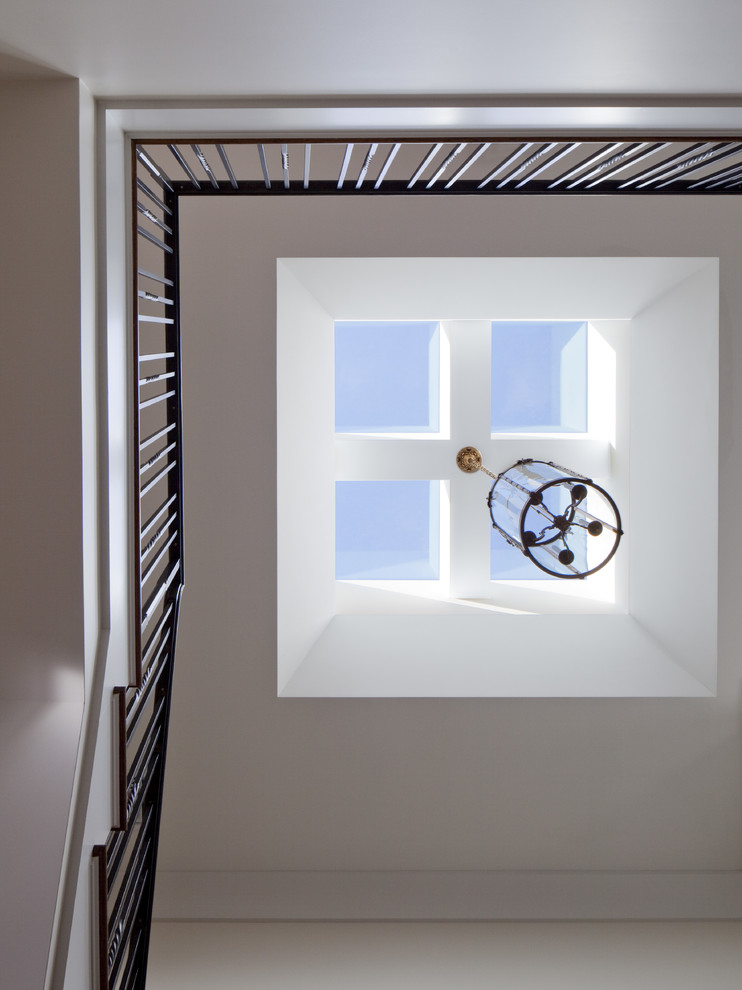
[
  {"x": 387, "y": 530},
  {"x": 653, "y": 339},
  {"x": 539, "y": 377},
  {"x": 387, "y": 377}
]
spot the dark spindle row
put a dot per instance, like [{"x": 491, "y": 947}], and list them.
[
  {"x": 163, "y": 171},
  {"x": 442, "y": 166},
  {"x": 127, "y": 861}
]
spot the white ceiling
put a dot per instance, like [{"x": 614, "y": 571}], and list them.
[
  {"x": 431, "y": 785},
  {"x": 409, "y": 48},
  {"x": 257, "y": 783}
]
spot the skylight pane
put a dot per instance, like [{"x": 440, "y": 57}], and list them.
[
  {"x": 387, "y": 530},
  {"x": 539, "y": 377},
  {"x": 387, "y": 377}
]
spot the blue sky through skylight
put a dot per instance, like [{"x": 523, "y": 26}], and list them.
[
  {"x": 539, "y": 377},
  {"x": 387, "y": 377},
  {"x": 387, "y": 530},
  {"x": 387, "y": 380}
]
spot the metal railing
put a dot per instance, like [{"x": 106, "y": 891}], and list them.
[
  {"x": 127, "y": 861},
  {"x": 465, "y": 166},
  {"x": 162, "y": 172}
]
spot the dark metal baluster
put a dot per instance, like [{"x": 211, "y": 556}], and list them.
[
  {"x": 153, "y": 297},
  {"x": 521, "y": 168},
  {"x": 154, "y": 240},
  {"x": 656, "y": 172},
  {"x": 730, "y": 178},
  {"x": 307, "y": 158},
  {"x": 162, "y": 355},
  {"x": 633, "y": 160},
  {"x": 160, "y": 512},
  {"x": 125, "y": 909},
  {"x": 154, "y": 319},
  {"x": 146, "y": 403},
  {"x": 385, "y": 167},
  {"x": 366, "y": 163},
  {"x": 139, "y": 704},
  {"x": 118, "y": 846},
  {"x": 503, "y": 165},
  {"x": 424, "y": 164},
  {"x": 285, "y": 166},
  {"x": 154, "y": 540},
  {"x": 156, "y": 378},
  {"x": 264, "y": 166},
  {"x": 344, "y": 166},
  {"x": 146, "y": 212},
  {"x": 147, "y": 574},
  {"x": 468, "y": 164},
  {"x": 444, "y": 165},
  {"x": 158, "y": 477},
  {"x": 225, "y": 162},
  {"x": 609, "y": 149},
  {"x": 184, "y": 165},
  {"x": 139, "y": 773},
  {"x": 205, "y": 165},
  {"x": 557, "y": 156},
  {"x": 130, "y": 978},
  {"x": 160, "y": 635},
  {"x": 156, "y": 171},
  {"x": 152, "y": 275},
  {"x": 730, "y": 151},
  {"x": 151, "y": 194},
  {"x": 150, "y": 675}
]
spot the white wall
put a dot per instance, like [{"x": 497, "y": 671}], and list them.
[
  {"x": 655, "y": 956},
  {"x": 430, "y": 784},
  {"x": 42, "y": 647},
  {"x": 41, "y": 609}
]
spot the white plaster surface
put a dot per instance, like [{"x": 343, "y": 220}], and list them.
[
  {"x": 333, "y": 47},
  {"x": 666, "y": 645},
  {"x": 417, "y": 784},
  {"x": 655, "y": 956},
  {"x": 42, "y": 630}
]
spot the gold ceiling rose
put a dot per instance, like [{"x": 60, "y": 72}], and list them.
[{"x": 469, "y": 459}]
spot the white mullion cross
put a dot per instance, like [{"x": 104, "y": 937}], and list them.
[
  {"x": 470, "y": 346},
  {"x": 467, "y": 385}
]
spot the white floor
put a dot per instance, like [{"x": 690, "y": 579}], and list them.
[{"x": 434, "y": 956}]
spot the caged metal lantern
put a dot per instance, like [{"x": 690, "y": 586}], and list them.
[{"x": 562, "y": 521}]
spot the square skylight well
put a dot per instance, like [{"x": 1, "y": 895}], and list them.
[{"x": 651, "y": 326}]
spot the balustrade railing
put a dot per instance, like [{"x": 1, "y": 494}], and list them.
[
  {"x": 162, "y": 172},
  {"x": 127, "y": 861},
  {"x": 495, "y": 165}
]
